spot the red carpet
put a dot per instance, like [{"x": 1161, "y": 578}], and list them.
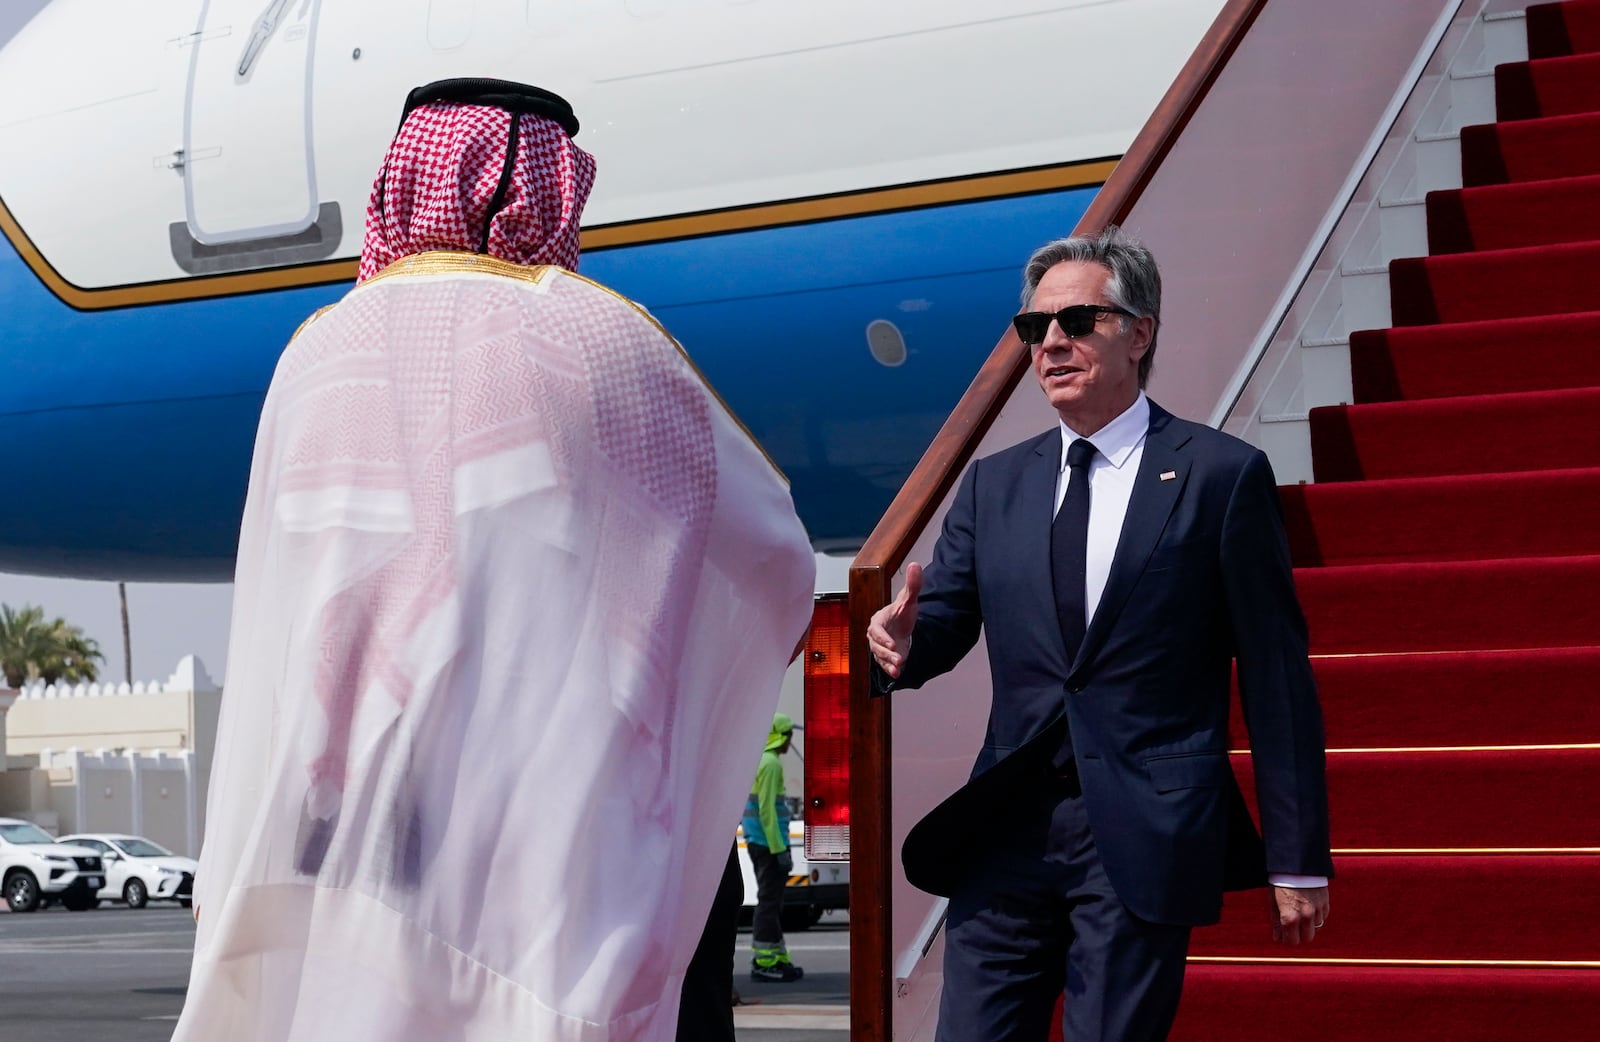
[
  {"x": 1530, "y": 213},
  {"x": 1356, "y": 1003},
  {"x": 1452, "y": 518},
  {"x": 1469, "y": 287},
  {"x": 1452, "y": 605},
  {"x": 1532, "y": 150},
  {"x": 1457, "y": 698},
  {"x": 1558, "y": 29},
  {"x": 1446, "y": 361},
  {"x": 1520, "y": 798},
  {"x": 1499, "y": 907},
  {"x": 1537, "y": 430},
  {"x": 1560, "y": 86},
  {"x": 1448, "y": 560}
]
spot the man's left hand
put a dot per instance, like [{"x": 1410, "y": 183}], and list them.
[
  {"x": 1296, "y": 914},
  {"x": 786, "y": 863}
]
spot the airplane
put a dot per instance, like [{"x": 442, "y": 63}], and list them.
[{"x": 827, "y": 203}]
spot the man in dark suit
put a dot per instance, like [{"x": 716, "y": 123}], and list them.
[{"x": 1117, "y": 565}]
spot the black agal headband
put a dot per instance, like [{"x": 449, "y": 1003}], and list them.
[{"x": 501, "y": 94}]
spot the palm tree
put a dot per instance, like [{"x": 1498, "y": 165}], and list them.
[
  {"x": 22, "y": 638},
  {"x": 127, "y": 638},
  {"x": 69, "y": 655},
  {"x": 33, "y": 648}
]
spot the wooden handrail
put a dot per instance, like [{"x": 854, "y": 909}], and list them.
[{"x": 913, "y": 508}]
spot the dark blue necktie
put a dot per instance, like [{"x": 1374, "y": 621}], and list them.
[{"x": 1069, "y": 547}]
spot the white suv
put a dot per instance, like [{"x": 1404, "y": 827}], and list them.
[
  {"x": 139, "y": 871},
  {"x": 35, "y": 868}
]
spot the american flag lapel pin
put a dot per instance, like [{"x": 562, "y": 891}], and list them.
[{"x": 1168, "y": 475}]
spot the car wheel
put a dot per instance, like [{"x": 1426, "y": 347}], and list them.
[
  {"x": 185, "y": 902},
  {"x": 135, "y": 894},
  {"x": 81, "y": 902},
  {"x": 22, "y": 891}
]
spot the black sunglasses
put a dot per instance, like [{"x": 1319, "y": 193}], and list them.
[{"x": 1078, "y": 320}]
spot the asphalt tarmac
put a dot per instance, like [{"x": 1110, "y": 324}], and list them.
[
  {"x": 110, "y": 973},
  {"x": 117, "y": 974},
  {"x": 815, "y": 1008}
]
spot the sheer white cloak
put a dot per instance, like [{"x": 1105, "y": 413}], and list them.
[{"x": 514, "y": 598}]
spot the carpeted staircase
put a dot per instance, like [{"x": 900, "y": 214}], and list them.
[{"x": 1448, "y": 559}]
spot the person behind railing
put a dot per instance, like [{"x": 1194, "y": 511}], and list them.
[
  {"x": 1116, "y": 565},
  {"x": 515, "y": 597},
  {"x": 766, "y": 837}
]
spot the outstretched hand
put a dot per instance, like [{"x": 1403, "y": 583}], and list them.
[
  {"x": 889, "y": 633},
  {"x": 1296, "y": 914}
]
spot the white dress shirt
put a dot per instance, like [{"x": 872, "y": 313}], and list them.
[{"x": 1119, "y": 447}]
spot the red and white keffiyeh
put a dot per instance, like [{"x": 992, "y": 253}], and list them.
[{"x": 438, "y": 185}]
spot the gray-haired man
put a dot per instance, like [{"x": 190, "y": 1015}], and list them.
[{"x": 1117, "y": 565}]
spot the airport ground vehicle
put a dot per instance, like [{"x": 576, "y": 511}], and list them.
[
  {"x": 816, "y": 791},
  {"x": 138, "y": 871},
  {"x": 35, "y": 868}
]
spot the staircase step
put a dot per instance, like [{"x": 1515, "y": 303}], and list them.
[
  {"x": 1532, "y": 430},
  {"x": 1251, "y": 1003},
  {"x": 1451, "y": 518},
  {"x": 1456, "y": 698},
  {"x": 1452, "y": 605},
  {"x": 1558, "y": 29},
  {"x": 1460, "y": 799},
  {"x": 1530, "y": 150},
  {"x": 1450, "y": 360},
  {"x": 1547, "y": 87},
  {"x": 1498, "y": 907},
  {"x": 1528, "y": 213},
  {"x": 1489, "y": 284}
]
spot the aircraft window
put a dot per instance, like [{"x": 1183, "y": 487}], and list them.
[{"x": 886, "y": 342}]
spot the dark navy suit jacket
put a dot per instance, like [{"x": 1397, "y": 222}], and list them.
[{"x": 1201, "y": 576}]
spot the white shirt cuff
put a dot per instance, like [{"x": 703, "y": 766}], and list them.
[{"x": 1296, "y": 882}]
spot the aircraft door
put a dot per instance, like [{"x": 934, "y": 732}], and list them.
[{"x": 249, "y": 168}]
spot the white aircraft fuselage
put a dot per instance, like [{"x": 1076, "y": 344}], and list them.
[{"x": 828, "y": 203}]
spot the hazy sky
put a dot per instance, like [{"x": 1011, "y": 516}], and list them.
[{"x": 167, "y": 621}]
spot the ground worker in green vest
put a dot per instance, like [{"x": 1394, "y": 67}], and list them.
[{"x": 766, "y": 834}]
